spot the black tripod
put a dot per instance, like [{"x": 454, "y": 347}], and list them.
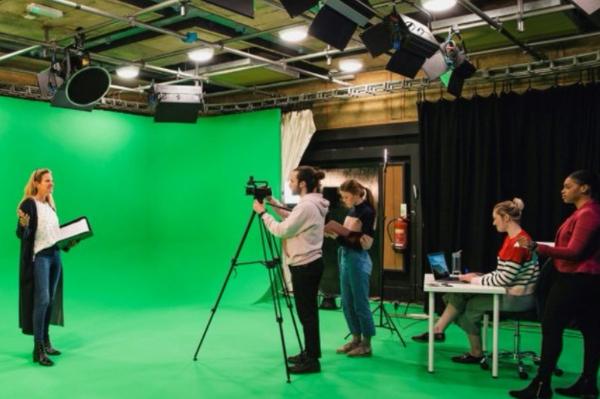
[
  {"x": 385, "y": 320},
  {"x": 272, "y": 261}
]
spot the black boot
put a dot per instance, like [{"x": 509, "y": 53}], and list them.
[
  {"x": 538, "y": 389},
  {"x": 39, "y": 355},
  {"x": 49, "y": 349},
  {"x": 585, "y": 388}
]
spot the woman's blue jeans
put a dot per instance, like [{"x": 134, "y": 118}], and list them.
[
  {"x": 355, "y": 272},
  {"x": 46, "y": 273}
]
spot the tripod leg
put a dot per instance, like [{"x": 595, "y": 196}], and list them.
[
  {"x": 280, "y": 282},
  {"x": 279, "y": 319},
  {"x": 289, "y": 305},
  {"x": 389, "y": 323},
  {"x": 213, "y": 311},
  {"x": 233, "y": 265}
]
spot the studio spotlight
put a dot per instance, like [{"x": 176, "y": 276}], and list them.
[
  {"x": 176, "y": 103},
  {"x": 297, "y": 7},
  {"x": 412, "y": 41},
  {"x": 336, "y": 21},
  {"x": 72, "y": 82},
  {"x": 459, "y": 67}
]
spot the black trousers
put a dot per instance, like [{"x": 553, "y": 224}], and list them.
[
  {"x": 572, "y": 296},
  {"x": 305, "y": 281}
]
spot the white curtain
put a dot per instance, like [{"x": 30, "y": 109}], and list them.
[{"x": 297, "y": 128}]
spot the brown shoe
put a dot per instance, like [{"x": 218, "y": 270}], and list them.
[
  {"x": 361, "y": 351},
  {"x": 347, "y": 347}
]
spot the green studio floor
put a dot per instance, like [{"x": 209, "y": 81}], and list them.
[{"x": 131, "y": 343}]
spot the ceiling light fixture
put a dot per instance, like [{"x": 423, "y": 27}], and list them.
[
  {"x": 128, "y": 71},
  {"x": 201, "y": 54},
  {"x": 350, "y": 65},
  {"x": 43, "y": 11},
  {"x": 438, "y": 5},
  {"x": 294, "y": 35}
]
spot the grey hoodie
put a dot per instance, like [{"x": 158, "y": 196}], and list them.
[{"x": 301, "y": 229}]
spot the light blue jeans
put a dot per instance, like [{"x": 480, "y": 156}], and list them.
[{"x": 355, "y": 272}]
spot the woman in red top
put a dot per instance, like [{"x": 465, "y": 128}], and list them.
[{"x": 575, "y": 292}]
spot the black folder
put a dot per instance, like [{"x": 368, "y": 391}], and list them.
[{"x": 77, "y": 229}]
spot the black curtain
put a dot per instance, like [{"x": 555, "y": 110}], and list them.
[{"x": 481, "y": 151}]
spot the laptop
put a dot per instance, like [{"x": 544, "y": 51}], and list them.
[{"x": 439, "y": 268}]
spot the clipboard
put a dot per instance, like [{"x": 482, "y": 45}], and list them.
[{"x": 77, "y": 229}]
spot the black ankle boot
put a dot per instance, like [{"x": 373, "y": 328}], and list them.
[
  {"x": 49, "y": 349},
  {"x": 538, "y": 389},
  {"x": 585, "y": 388},
  {"x": 39, "y": 355}
]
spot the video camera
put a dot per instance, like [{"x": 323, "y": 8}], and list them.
[{"x": 258, "y": 188}]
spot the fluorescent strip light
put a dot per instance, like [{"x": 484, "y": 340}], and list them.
[{"x": 43, "y": 11}]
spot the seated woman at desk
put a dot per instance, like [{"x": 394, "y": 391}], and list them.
[{"x": 517, "y": 270}]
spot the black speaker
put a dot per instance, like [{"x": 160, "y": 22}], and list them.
[
  {"x": 87, "y": 86},
  {"x": 297, "y": 7}
]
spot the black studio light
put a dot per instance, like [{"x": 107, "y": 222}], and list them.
[
  {"x": 412, "y": 42},
  {"x": 336, "y": 21},
  {"x": 73, "y": 82}
]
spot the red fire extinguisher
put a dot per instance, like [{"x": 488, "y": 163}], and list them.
[{"x": 400, "y": 237}]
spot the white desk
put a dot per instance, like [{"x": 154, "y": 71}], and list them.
[{"x": 431, "y": 286}]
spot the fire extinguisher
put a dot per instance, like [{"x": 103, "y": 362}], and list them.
[{"x": 400, "y": 237}]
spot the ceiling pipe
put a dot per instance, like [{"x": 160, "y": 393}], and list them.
[
  {"x": 475, "y": 10},
  {"x": 133, "y": 22},
  {"x": 19, "y": 52}
]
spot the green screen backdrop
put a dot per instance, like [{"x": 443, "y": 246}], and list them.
[{"x": 166, "y": 201}]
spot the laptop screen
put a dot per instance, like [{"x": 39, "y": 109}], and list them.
[{"x": 437, "y": 262}]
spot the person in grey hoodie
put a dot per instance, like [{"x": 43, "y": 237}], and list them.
[{"x": 302, "y": 231}]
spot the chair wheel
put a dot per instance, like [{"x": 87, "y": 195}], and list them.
[
  {"x": 523, "y": 375},
  {"x": 558, "y": 372}
]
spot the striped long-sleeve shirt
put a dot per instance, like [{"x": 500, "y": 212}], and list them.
[{"x": 517, "y": 270}]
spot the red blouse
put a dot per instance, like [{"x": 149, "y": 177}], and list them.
[{"x": 577, "y": 244}]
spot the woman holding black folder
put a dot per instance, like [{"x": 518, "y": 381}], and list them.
[
  {"x": 575, "y": 291},
  {"x": 40, "y": 274},
  {"x": 355, "y": 267}
]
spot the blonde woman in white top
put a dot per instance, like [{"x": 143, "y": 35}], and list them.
[{"x": 40, "y": 274}]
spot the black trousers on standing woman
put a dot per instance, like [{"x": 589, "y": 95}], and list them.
[
  {"x": 305, "y": 281},
  {"x": 572, "y": 296}
]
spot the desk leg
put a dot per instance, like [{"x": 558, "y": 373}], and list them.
[
  {"x": 495, "y": 336},
  {"x": 430, "y": 345}
]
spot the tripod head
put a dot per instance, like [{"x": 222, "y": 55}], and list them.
[{"x": 258, "y": 188}]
